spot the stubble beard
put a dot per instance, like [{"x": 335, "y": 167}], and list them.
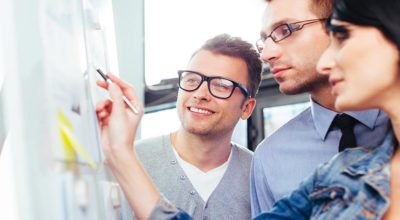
[
  {"x": 198, "y": 131},
  {"x": 189, "y": 127},
  {"x": 208, "y": 132},
  {"x": 306, "y": 86}
]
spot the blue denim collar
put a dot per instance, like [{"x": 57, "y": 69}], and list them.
[
  {"x": 375, "y": 159},
  {"x": 374, "y": 167}
]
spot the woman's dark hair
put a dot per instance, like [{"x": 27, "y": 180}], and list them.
[{"x": 382, "y": 14}]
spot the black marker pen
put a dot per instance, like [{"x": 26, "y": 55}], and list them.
[{"x": 108, "y": 81}]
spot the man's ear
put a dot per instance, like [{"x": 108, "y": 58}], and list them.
[{"x": 248, "y": 107}]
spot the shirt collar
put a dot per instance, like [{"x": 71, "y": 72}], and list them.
[{"x": 323, "y": 118}]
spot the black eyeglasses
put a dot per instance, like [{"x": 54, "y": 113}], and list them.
[
  {"x": 283, "y": 31},
  {"x": 218, "y": 87}
]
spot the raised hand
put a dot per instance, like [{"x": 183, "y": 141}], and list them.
[{"x": 117, "y": 122}]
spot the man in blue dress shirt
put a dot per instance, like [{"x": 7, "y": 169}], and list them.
[{"x": 292, "y": 40}]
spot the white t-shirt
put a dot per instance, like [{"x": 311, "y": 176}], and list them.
[{"x": 204, "y": 182}]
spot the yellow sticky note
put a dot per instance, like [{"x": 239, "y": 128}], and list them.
[{"x": 71, "y": 144}]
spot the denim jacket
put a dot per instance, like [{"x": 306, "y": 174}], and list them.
[{"x": 354, "y": 184}]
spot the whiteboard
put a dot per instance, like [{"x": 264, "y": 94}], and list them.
[{"x": 56, "y": 153}]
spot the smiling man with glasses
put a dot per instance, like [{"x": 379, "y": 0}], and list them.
[
  {"x": 292, "y": 39},
  {"x": 197, "y": 167}
]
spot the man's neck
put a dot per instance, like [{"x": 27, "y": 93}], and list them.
[
  {"x": 324, "y": 97},
  {"x": 206, "y": 153}
]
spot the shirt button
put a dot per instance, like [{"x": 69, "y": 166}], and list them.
[
  {"x": 182, "y": 177},
  {"x": 173, "y": 162},
  {"x": 333, "y": 195},
  {"x": 192, "y": 192}
]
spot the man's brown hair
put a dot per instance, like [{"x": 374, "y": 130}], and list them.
[{"x": 321, "y": 8}]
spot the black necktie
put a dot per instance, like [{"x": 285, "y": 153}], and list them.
[{"x": 346, "y": 124}]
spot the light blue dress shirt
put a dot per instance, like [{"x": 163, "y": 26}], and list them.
[{"x": 292, "y": 153}]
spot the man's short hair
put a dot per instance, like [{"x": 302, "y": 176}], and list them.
[
  {"x": 227, "y": 45},
  {"x": 321, "y": 8}
]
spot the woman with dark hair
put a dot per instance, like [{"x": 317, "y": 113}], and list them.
[{"x": 362, "y": 62}]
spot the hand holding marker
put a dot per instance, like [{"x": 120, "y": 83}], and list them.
[{"x": 108, "y": 81}]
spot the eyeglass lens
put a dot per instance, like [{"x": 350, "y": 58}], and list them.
[{"x": 218, "y": 87}]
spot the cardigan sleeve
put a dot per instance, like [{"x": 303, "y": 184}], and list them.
[{"x": 164, "y": 210}]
